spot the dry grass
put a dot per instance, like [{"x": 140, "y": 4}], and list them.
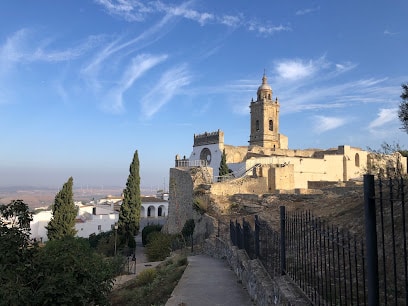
[{"x": 154, "y": 289}]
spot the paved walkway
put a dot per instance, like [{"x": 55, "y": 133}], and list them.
[
  {"x": 208, "y": 281},
  {"x": 141, "y": 264}
]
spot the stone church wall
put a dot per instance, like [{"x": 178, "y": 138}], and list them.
[
  {"x": 281, "y": 177},
  {"x": 243, "y": 185}
]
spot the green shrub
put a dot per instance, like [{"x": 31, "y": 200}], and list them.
[
  {"x": 146, "y": 277},
  {"x": 149, "y": 229},
  {"x": 182, "y": 261},
  {"x": 188, "y": 228},
  {"x": 200, "y": 204},
  {"x": 159, "y": 246},
  {"x": 94, "y": 239}
]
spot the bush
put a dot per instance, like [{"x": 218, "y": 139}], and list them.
[
  {"x": 149, "y": 229},
  {"x": 71, "y": 273},
  {"x": 159, "y": 246},
  {"x": 146, "y": 277},
  {"x": 188, "y": 228},
  {"x": 200, "y": 204}
]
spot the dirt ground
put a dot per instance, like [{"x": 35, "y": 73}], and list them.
[{"x": 339, "y": 206}]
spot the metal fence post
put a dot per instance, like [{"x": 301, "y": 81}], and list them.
[
  {"x": 256, "y": 236},
  {"x": 244, "y": 236},
  {"x": 371, "y": 240},
  {"x": 282, "y": 241}
]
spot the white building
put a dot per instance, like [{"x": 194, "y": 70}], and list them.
[
  {"x": 91, "y": 219},
  {"x": 95, "y": 219},
  {"x": 38, "y": 224}
]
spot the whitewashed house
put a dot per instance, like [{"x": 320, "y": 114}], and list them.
[
  {"x": 91, "y": 219},
  {"x": 38, "y": 224},
  {"x": 95, "y": 219}
]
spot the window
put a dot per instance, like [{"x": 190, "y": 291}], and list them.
[
  {"x": 357, "y": 160},
  {"x": 257, "y": 125},
  {"x": 99, "y": 227},
  {"x": 271, "y": 125}
]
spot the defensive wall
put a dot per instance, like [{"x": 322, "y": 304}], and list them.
[{"x": 181, "y": 208}]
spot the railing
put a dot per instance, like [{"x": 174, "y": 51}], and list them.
[
  {"x": 386, "y": 235},
  {"x": 185, "y": 163},
  {"x": 332, "y": 266}
]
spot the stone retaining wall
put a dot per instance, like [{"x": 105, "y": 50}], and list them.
[{"x": 262, "y": 289}]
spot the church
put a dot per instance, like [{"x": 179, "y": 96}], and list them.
[{"x": 267, "y": 165}]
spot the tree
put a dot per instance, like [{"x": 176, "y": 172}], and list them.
[
  {"x": 129, "y": 214},
  {"x": 403, "y": 108},
  {"x": 72, "y": 274},
  {"x": 64, "y": 213},
  {"x": 64, "y": 272},
  {"x": 223, "y": 169},
  {"x": 16, "y": 254}
]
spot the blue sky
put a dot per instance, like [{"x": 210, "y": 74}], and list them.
[{"x": 83, "y": 84}]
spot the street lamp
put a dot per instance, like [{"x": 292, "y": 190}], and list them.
[{"x": 116, "y": 231}]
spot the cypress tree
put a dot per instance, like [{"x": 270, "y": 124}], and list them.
[
  {"x": 64, "y": 213},
  {"x": 129, "y": 214},
  {"x": 223, "y": 170}
]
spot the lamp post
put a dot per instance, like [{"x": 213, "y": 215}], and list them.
[{"x": 116, "y": 233}]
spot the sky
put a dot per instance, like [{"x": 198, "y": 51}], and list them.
[{"x": 86, "y": 83}]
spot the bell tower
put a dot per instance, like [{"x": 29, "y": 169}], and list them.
[{"x": 264, "y": 118}]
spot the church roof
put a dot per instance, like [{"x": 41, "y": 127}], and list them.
[{"x": 264, "y": 85}]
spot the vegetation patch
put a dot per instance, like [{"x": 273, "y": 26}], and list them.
[
  {"x": 159, "y": 246},
  {"x": 151, "y": 288},
  {"x": 149, "y": 229}
]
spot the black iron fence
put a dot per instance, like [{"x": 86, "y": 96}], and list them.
[
  {"x": 332, "y": 266},
  {"x": 386, "y": 235}
]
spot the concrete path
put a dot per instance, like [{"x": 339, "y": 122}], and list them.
[
  {"x": 208, "y": 281},
  {"x": 141, "y": 264}
]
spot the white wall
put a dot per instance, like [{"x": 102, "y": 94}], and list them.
[
  {"x": 96, "y": 224},
  {"x": 87, "y": 223},
  {"x": 37, "y": 226},
  {"x": 154, "y": 209},
  {"x": 216, "y": 153}
]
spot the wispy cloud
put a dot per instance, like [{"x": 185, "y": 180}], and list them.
[
  {"x": 117, "y": 50},
  {"x": 25, "y": 46},
  {"x": 138, "y": 66},
  {"x": 307, "y": 11},
  {"x": 136, "y": 11},
  {"x": 324, "y": 123},
  {"x": 297, "y": 69},
  {"x": 129, "y": 10},
  {"x": 312, "y": 85},
  {"x": 184, "y": 11},
  {"x": 267, "y": 29},
  {"x": 384, "y": 116},
  {"x": 389, "y": 33},
  {"x": 169, "y": 85}
]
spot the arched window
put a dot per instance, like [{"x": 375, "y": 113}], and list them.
[
  {"x": 271, "y": 125},
  {"x": 257, "y": 125},
  {"x": 357, "y": 160},
  {"x": 151, "y": 211},
  {"x": 159, "y": 211},
  {"x": 269, "y": 96}
]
